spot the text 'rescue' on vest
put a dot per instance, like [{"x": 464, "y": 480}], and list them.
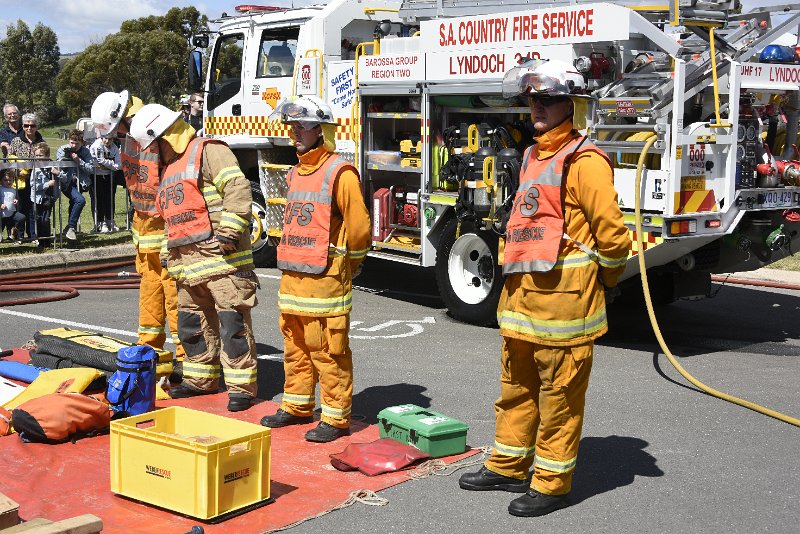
[
  {"x": 303, "y": 248},
  {"x": 140, "y": 168},
  {"x": 536, "y": 226},
  {"x": 180, "y": 200}
]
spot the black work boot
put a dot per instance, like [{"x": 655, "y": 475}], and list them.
[
  {"x": 534, "y": 504},
  {"x": 176, "y": 377},
  {"x": 282, "y": 418},
  {"x": 325, "y": 433},
  {"x": 485, "y": 480},
  {"x": 184, "y": 391},
  {"x": 237, "y": 403}
]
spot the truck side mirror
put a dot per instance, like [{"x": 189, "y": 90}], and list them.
[{"x": 195, "y": 68}]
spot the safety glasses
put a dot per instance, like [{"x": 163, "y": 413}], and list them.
[
  {"x": 303, "y": 125},
  {"x": 547, "y": 100}
]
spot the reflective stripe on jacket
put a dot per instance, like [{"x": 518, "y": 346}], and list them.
[
  {"x": 140, "y": 168},
  {"x": 180, "y": 200},
  {"x": 307, "y": 218},
  {"x": 536, "y": 226}
]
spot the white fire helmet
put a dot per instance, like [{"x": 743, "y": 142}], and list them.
[
  {"x": 544, "y": 77},
  {"x": 309, "y": 109},
  {"x": 107, "y": 110},
  {"x": 150, "y": 123}
]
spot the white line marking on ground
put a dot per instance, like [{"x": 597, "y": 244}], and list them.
[
  {"x": 62, "y": 322},
  {"x": 273, "y": 357},
  {"x": 94, "y": 328},
  {"x": 273, "y": 276}
]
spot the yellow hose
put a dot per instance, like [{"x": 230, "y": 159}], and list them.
[{"x": 657, "y": 331}]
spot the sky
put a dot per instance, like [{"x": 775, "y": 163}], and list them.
[{"x": 79, "y": 23}]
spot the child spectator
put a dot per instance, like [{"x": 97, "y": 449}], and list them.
[
  {"x": 43, "y": 192},
  {"x": 107, "y": 161},
  {"x": 12, "y": 220},
  {"x": 73, "y": 180}
]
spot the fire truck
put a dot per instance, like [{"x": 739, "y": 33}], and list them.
[
  {"x": 696, "y": 88},
  {"x": 258, "y": 56},
  {"x": 440, "y": 148}
]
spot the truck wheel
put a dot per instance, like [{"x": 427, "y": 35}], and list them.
[
  {"x": 264, "y": 252},
  {"x": 467, "y": 274}
]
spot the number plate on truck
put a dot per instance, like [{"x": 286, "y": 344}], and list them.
[{"x": 778, "y": 199}]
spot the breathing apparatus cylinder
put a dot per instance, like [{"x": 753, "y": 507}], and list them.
[
  {"x": 507, "y": 169},
  {"x": 474, "y": 184}
]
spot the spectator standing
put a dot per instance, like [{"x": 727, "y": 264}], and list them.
[
  {"x": 22, "y": 147},
  {"x": 43, "y": 192},
  {"x": 107, "y": 161},
  {"x": 14, "y": 128},
  {"x": 195, "y": 118},
  {"x": 12, "y": 220},
  {"x": 74, "y": 179}
]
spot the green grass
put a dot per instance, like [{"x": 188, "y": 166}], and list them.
[
  {"x": 792, "y": 263},
  {"x": 52, "y": 130},
  {"x": 86, "y": 239}
]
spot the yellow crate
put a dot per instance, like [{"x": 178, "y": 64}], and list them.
[{"x": 156, "y": 458}]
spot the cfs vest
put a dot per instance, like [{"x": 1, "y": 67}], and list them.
[
  {"x": 307, "y": 218},
  {"x": 140, "y": 168},
  {"x": 536, "y": 226},
  {"x": 180, "y": 200}
]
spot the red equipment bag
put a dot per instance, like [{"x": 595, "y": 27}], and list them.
[
  {"x": 382, "y": 456},
  {"x": 58, "y": 417}
]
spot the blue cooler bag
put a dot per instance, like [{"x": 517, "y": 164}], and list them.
[{"x": 132, "y": 387}]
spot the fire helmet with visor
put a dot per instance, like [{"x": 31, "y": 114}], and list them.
[
  {"x": 150, "y": 123},
  {"x": 307, "y": 110},
  {"x": 108, "y": 109},
  {"x": 545, "y": 78}
]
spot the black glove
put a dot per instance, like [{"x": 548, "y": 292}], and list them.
[{"x": 612, "y": 293}]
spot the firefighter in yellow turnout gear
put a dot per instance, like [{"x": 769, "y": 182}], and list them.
[
  {"x": 325, "y": 239},
  {"x": 158, "y": 296},
  {"x": 552, "y": 307},
  {"x": 206, "y": 201}
]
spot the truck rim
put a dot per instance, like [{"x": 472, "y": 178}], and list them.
[
  {"x": 470, "y": 281},
  {"x": 258, "y": 236}
]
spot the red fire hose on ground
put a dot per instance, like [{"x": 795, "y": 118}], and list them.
[
  {"x": 759, "y": 283},
  {"x": 62, "y": 284}
]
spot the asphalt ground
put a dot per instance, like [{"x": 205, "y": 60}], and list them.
[{"x": 656, "y": 454}]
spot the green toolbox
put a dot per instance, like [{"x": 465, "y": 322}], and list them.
[{"x": 429, "y": 431}]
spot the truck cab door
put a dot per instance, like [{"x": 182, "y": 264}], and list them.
[
  {"x": 224, "y": 101},
  {"x": 268, "y": 79}
]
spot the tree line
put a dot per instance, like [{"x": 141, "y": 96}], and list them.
[{"x": 147, "y": 57}]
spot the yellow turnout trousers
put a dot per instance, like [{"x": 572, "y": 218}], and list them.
[
  {"x": 158, "y": 302},
  {"x": 216, "y": 328},
  {"x": 539, "y": 415},
  {"x": 318, "y": 349}
]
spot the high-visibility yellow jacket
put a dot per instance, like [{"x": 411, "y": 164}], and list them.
[
  {"x": 330, "y": 293},
  {"x": 566, "y": 306},
  {"x": 229, "y": 199}
]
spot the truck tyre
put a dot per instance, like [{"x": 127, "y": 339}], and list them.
[
  {"x": 467, "y": 273},
  {"x": 264, "y": 251}
]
